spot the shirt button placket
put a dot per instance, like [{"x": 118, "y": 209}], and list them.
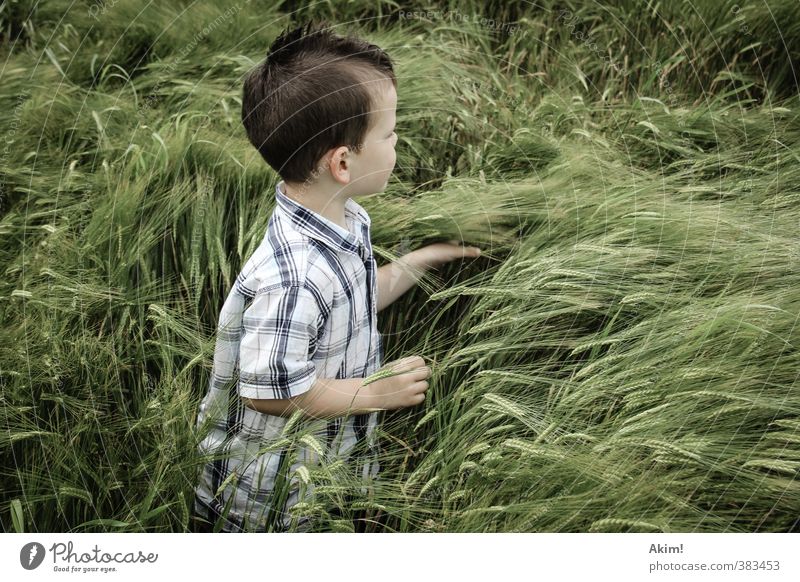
[{"x": 371, "y": 289}]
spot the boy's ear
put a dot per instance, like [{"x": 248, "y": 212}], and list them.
[{"x": 339, "y": 164}]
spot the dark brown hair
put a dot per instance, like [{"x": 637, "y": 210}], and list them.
[{"x": 314, "y": 92}]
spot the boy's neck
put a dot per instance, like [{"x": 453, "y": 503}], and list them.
[{"x": 327, "y": 204}]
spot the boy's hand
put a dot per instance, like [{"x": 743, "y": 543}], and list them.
[
  {"x": 406, "y": 387},
  {"x": 435, "y": 255}
]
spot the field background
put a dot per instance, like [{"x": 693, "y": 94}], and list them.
[{"x": 623, "y": 357}]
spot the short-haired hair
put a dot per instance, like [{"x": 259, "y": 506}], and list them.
[{"x": 313, "y": 92}]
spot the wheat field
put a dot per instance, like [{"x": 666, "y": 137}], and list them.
[{"x": 623, "y": 357}]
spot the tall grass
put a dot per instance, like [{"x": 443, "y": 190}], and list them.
[{"x": 623, "y": 357}]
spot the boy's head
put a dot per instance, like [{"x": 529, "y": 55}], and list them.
[{"x": 321, "y": 109}]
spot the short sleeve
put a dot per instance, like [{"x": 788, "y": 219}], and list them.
[{"x": 279, "y": 333}]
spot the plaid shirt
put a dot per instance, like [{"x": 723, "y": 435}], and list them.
[{"x": 303, "y": 307}]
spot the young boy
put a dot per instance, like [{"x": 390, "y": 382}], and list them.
[{"x": 299, "y": 326}]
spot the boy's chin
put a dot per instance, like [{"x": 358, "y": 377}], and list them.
[
  {"x": 372, "y": 191},
  {"x": 383, "y": 186}
]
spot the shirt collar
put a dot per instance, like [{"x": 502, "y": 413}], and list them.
[{"x": 320, "y": 228}]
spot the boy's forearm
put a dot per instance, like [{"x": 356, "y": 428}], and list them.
[
  {"x": 399, "y": 276},
  {"x": 327, "y": 398}
]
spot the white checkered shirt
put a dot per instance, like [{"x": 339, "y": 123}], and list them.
[{"x": 303, "y": 307}]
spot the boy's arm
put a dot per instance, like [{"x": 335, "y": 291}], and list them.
[
  {"x": 277, "y": 373},
  {"x": 326, "y": 399},
  {"x": 399, "y": 276},
  {"x": 398, "y": 384}
]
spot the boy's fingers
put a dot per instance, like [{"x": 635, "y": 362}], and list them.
[
  {"x": 408, "y": 363},
  {"x": 421, "y": 373},
  {"x": 468, "y": 251}
]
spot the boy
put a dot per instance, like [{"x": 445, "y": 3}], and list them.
[{"x": 299, "y": 325}]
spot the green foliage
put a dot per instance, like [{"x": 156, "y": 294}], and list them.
[{"x": 622, "y": 357}]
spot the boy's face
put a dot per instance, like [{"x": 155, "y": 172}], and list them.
[{"x": 373, "y": 164}]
